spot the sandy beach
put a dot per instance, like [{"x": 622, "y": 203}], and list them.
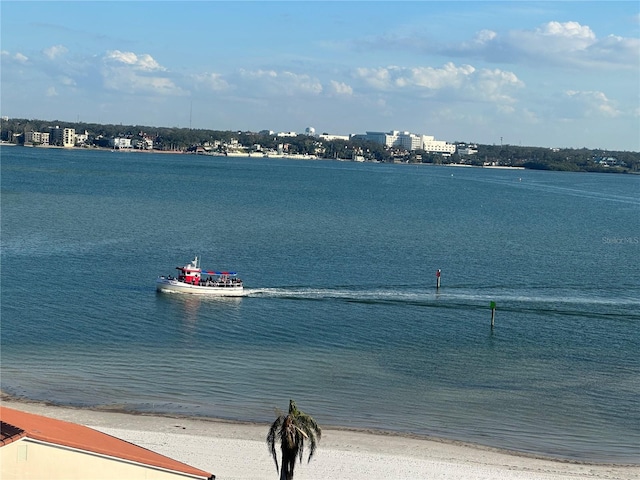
[{"x": 237, "y": 451}]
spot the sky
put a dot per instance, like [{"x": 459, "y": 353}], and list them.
[{"x": 548, "y": 74}]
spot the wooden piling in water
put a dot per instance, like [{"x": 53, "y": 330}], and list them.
[{"x": 493, "y": 313}]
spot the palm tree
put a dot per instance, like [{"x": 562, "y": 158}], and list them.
[{"x": 291, "y": 431}]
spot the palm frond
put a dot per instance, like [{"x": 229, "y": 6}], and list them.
[
  {"x": 311, "y": 429},
  {"x": 271, "y": 438}
]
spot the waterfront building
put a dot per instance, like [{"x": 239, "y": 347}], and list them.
[
  {"x": 82, "y": 138},
  {"x": 69, "y": 137},
  {"x": 430, "y": 144},
  {"x": 142, "y": 143},
  {"x": 409, "y": 141},
  {"x": 41, "y": 138},
  {"x": 382, "y": 138},
  {"x": 55, "y": 135},
  {"x": 120, "y": 143},
  {"x": 467, "y": 149},
  {"x": 328, "y": 137}
]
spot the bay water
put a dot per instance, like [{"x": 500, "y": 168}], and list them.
[{"x": 342, "y": 313}]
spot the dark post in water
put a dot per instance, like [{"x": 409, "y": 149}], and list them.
[
  {"x": 438, "y": 279},
  {"x": 493, "y": 313}
]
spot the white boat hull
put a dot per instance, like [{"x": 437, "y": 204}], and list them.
[{"x": 175, "y": 286}]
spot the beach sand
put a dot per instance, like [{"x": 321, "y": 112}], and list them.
[{"x": 238, "y": 451}]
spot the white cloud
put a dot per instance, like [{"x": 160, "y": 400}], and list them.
[
  {"x": 484, "y": 36},
  {"x": 571, "y": 30},
  {"x": 494, "y": 85},
  {"x": 593, "y": 103},
  {"x": 51, "y": 92},
  {"x": 302, "y": 83},
  {"x": 566, "y": 44},
  {"x": 340, "y": 88},
  {"x": 18, "y": 57},
  {"x": 259, "y": 73},
  {"x": 570, "y": 44},
  {"x": 128, "y": 82},
  {"x": 464, "y": 81},
  {"x": 211, "y": 81},
  {"x": 281, "y": 83},
  {"x": 144, "y": 62},
  {"x": 130, "y": 73},
  {"x": 616, "y": 50},
  {"x": 437, "y": 78},
  {"x": 378, "y": 78},
  {"x": 54, "y": 51},
  {"x": 553, "y": 41}
]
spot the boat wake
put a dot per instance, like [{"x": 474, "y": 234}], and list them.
[{"x": 514, "y": 300}]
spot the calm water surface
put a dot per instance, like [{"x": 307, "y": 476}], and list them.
[{"x": 342, "y": 313}]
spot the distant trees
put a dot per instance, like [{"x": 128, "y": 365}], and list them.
[{"x": 183, "y": 139}]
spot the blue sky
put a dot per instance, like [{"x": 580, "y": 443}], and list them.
[{"x": 552, "y": 74}]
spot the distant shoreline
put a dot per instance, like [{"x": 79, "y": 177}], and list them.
[
  {"x": 249, "y": 155},
  {"x": 89, "y": 149}
]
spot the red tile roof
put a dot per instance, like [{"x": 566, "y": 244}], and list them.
[
  {"x": 16, "y": 424},
  {"x": 9, "y": 433}
]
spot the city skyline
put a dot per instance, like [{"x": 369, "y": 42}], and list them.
[{"x": 549, "y": 74}]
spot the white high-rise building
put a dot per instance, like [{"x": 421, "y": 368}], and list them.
[
  {"x": 409, "y": 141},
  {"x": 69, "y": 137}
]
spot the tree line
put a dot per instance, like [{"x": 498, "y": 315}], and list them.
[{"x": 186, "y": 139}]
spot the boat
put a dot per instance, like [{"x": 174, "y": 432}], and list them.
[{"x": 192, "y": 279}]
